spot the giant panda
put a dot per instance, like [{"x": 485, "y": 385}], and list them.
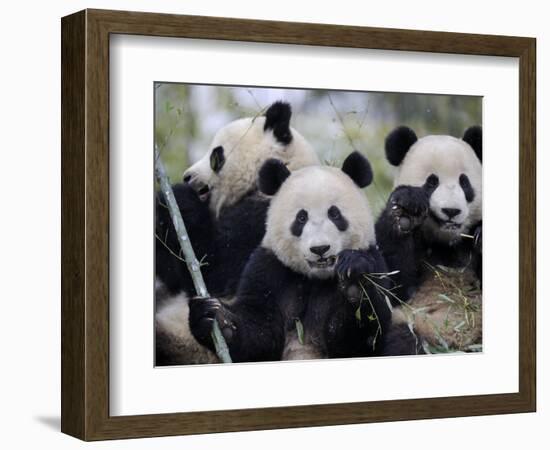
[
  {"x": 430, "y": 234},
  {"x": 300, "y": 295},
  {"x": 225, "y": 215}
]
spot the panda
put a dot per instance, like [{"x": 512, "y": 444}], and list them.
[
  {"x": 301, "y": 294},
  {"x": 225, "y": 215},
  {"x": 430, "y": 234}
]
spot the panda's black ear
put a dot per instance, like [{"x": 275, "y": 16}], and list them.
[
  {"x": 398, "y": 143},
  {"x": 272, "y": 175},
  {"x": 358, "y": 168},
  {"x": 277, "y": 118},
  {"x": 473, "y": 136}
]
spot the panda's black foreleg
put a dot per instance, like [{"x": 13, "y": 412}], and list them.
[
  {"x": 400, "y": 341},
  {"x": 253, "y": 324},
  {"x": 477, "y": 251},
  {"x": 251, "y": 334},
  {"x": 358, "y": 322},
  {"x": 397, "y": 231},
  {"x": 170, "y": 267},
  {"x": 202, "y": 314},
  {"x": 408, "y": 208}
]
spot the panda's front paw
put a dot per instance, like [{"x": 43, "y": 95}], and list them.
[
  {"x": 351, "y": 267},
  {"x": 408, "y": 207},
  {"x": 202, "y": 314},
  {"x": 195, "y": 213},
  {"x": 187, "y": 198},
  {"x": 352, "y": 264},
  {"x": 478, "y": 239}
]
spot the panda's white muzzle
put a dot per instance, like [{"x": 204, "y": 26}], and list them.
[
  {"x": 194, "y": 180},
  {"x": 448, "y": 207}
]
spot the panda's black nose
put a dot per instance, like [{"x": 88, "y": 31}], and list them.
[
  {"x": 451, "y": 212},
  {"x": 320, "y": 250}
]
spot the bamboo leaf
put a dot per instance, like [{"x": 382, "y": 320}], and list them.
[
  {"x": 388, "y": 303},
  {"x": 459, "y": 326},
  {"x": 300, "y": 331},
  {"x": 446, "y": 298}
]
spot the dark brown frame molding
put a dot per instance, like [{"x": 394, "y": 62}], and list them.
[{"x": 85, "y": 224}]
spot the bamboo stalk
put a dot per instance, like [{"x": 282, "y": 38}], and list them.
[{"x": 188, "y": 253}]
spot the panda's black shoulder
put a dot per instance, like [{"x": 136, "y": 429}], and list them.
[
  {"x": 239, "y": 229},
  {"x": 263, "y": 260},
  {"x": 264, "y": 274},
  {"x": 197, "y": 218},
  {"x": 193, "y": 210},
  {"x": 248, "y": 211}
]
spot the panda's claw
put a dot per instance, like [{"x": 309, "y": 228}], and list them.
[
  {"x": 352, "y": 264},
  {"x": 202, "y": 313},
  {"x": 409, "y": 208}
]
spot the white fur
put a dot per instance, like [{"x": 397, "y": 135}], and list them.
[
  {"x": 172, "y": 320},
  {"x": 246, "y": 147},
  {"x": 448, "y": 158},
  {"x": 315, "y": 189},
  {"x": 294, "y": 350},
  {"x": 172, "y": 317}
]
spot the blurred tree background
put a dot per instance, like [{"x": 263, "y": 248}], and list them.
[{"x": 334, "y": 122}]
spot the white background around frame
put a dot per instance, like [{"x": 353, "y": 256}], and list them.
[
  {"x": 136, "y": 387},
  {"x": 30, "y": 240}
]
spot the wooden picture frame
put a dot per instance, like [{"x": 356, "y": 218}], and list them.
[{"x": 85, "y": 224}]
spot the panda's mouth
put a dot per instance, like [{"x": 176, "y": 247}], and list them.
[
  {"x": 202, "y": 189},
  {"x": 450, "y": 226},
  {"x": 322, "y": 263},
  {"x": 204, "y": 193},
  {"x": 445, "y": 225}
]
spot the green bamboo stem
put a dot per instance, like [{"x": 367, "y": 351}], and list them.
[{"x": 188, "y": 253}]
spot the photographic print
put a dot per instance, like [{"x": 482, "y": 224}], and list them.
[
  {"x": 292, "y": 226},
  {"x": 295, "y": 224}
]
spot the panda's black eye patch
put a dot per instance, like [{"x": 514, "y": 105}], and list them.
[
  {"x": 217, "y": 159},
  {"x": 466, "y": 187},
  {"x": 337, "y": 218},
  {"x": 299, "y": 223},
  {"x": 432, "y": 182}
]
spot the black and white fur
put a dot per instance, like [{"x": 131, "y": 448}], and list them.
[
  {"x": 225, "y": 215},
  {"x": 319, "y": 242},
  {"x": 432, "y": 219}
]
